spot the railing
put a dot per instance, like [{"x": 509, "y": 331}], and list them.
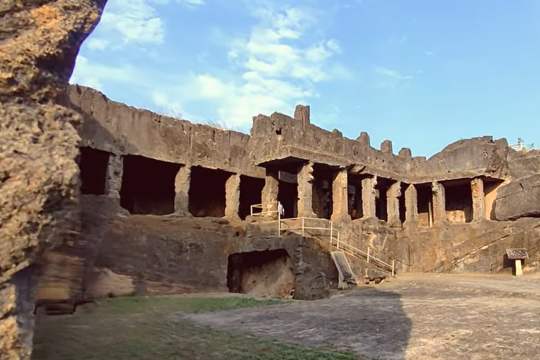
[
  {"x": 302, "y": 225},
  {"x": 305, "y": 225}
]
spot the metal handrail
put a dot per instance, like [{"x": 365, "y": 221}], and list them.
[{"x": 334, "y": 237}]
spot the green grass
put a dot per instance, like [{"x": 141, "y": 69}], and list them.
[{"x": 153, "y": 328}]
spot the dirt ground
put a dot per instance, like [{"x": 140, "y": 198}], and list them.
[{"x": 417, "y": 316}]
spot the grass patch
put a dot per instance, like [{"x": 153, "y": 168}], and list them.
[{"x": 147, "y": 328}]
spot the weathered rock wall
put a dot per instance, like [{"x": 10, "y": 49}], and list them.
[
  {"x": 39, "y": 41},
  {"x": 145, "y": 254},
  {"x": 279, "y": 136},
  {"x": 121, "y": 129}
]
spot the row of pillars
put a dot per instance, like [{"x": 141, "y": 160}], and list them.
[
  {"x": 340, "y": 211},
  {"x": 113, "y": 185}
]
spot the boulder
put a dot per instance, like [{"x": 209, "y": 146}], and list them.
[{"x": 520, "y": 198}]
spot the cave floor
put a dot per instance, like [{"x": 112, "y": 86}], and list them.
[{"x": 416, "y": 316}]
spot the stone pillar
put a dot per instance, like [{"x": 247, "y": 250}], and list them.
[
  {"x": 113, "y": 182},
  {"x": 478, "y": 200},
  {"x": 392, "y": 203},
  {"x": 411, "y": 204},
  {"x": 305, "y": 191},
  {"x": 181, "y": 189},
  {"x": 340, "y": 196},
  {"x": 369, "y": 197},
  {"x": 439, "y": 202},
  {"x": 232, "y": 197},
  {"x": 270, "y": 191}
]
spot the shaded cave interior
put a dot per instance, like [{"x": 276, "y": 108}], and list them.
[{"x": 261, "y": 273}]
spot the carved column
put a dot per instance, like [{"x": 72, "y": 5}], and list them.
[
  {"x": 411, "y": 204},
  {"x": 115, "y": 169},
  {"x": 478, "y": 199},
  {"x": 340, "y": 199},
  {"x": 369, "y": 197},
  {"x": 270, "y": 191},
  {"x": 439, "y": 202},
  {"x": 305, "y": 191},
  {"x": 232, "y": 197},
  {"x": 392, "y": 203},
  {"x": 181, "y": 189}
]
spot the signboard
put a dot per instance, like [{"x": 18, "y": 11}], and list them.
[{"x": 517, "y": 254}]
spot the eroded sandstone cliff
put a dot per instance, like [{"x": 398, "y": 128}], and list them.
[{"x": 39, "y": 41}]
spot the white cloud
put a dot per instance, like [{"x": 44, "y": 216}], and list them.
[
  {"x": 191, "y": 3},
  {"x": 168, "y": 105},
  {"x": 94, "y": 74},
  {"x": 98, "y": 44},
  {"x": 276, "y": 72},
  {"x": 392, "y": 73},
  {"x": 135, "y": 21}
]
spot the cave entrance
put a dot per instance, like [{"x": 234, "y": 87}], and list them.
[
  {"x": 261, "y": 273},
  {"x": 458, "y": 202},
  {"x": 250, "y": 194},
  {"x": 148, "y": 185},
  {"x": 207, "y": 192},
  {"x": 424, "y": 204},
  {"x": 354, "y": 192},
  {"x": 93, "y": 165},
  {"x": 381, "y": 207},
  {"x": 323, "y": 177},
  {"x": 288, "y": 192}
]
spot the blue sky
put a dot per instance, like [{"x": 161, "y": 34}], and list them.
[{"x": 420, "y": 73}]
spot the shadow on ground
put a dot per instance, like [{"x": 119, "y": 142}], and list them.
[{"x": 368, "y": 321}]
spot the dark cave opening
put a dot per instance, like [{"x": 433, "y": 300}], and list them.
[
  {"x": 207, "y": 192},
  {"x": 93, "y": 165},
  {"x": 148, "y": 185},
  {"x": 250, "y": 194}
]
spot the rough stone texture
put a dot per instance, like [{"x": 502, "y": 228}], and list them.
[
  {"x": 149, "y": 255},
  {"x": 386, "y": 147},
  {"x": 113, "y": 183},
  {"x": 478, "y": 199},
  {"x": 519, "y": 198},
  {"x": 439, "y": 202},
  {"x": 369, "y": 196},
  {"x": 270, "y": 192},
  {"x": 339, "y": 192},
  {"x": 305, "y": 191},
  {"x": 181, "y": 188},
  {"x": 232, "y": 197},
  {"x": 38, "y": 146},
  {"x": 392, "y": 199},
  {"x": 411, "y": 204}
]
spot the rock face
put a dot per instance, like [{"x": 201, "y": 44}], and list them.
[
  {"x": 39, "y": 41},
  {"x": 520, "y": 198}
]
